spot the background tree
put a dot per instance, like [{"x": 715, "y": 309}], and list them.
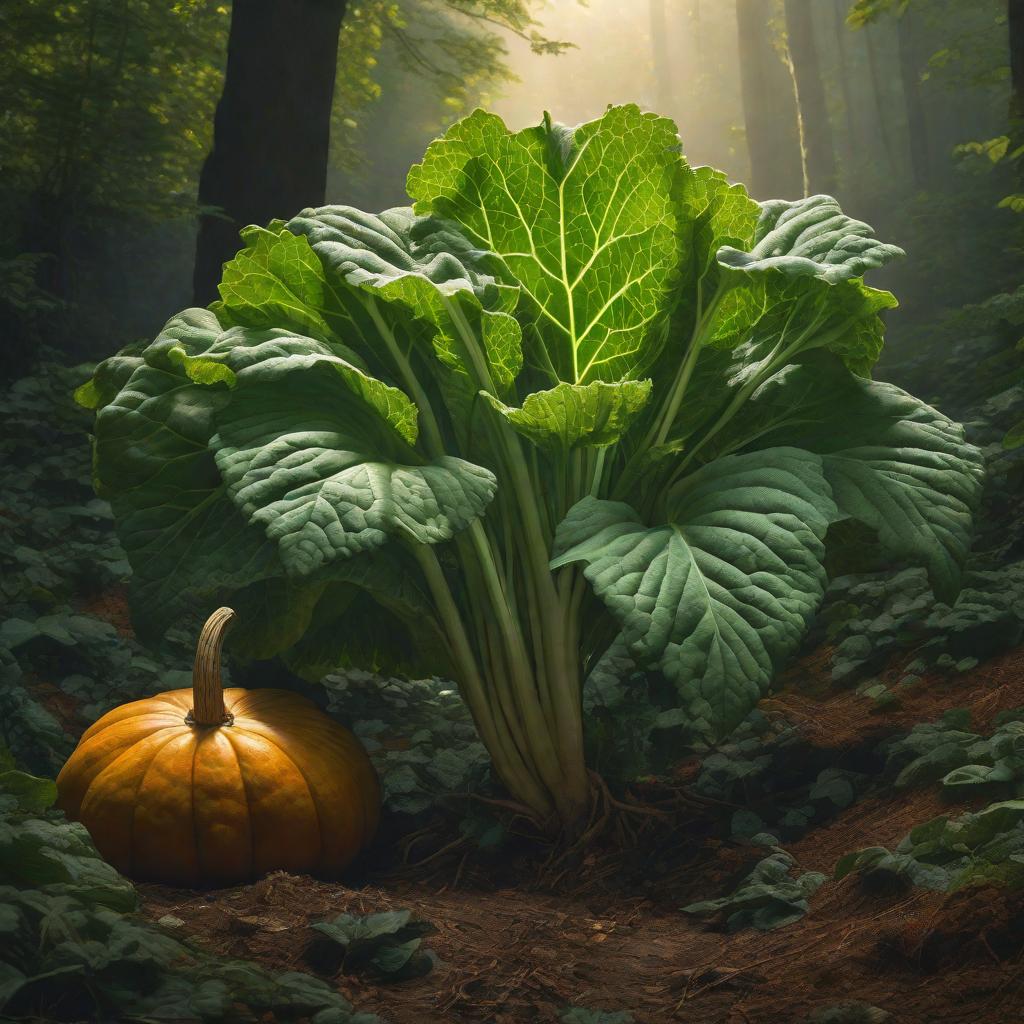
[
  {"x": 272, "y": 129},
  {"x": 107, "y": 108},
  {"x": 1015, "y": 19},
  {"x": 819, "y": 161},
  {"x": 912, "y": 64},
  {"x": 769, "y": 107}
]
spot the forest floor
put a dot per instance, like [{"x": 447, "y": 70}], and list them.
[{"x": 609, "y": 937}]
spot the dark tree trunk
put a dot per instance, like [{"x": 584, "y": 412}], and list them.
[
  {"x": 917, "y": 122},
  {"x": 876, "y": 90},
  {"x": 769, "y": 110},
  {"x": 663, "y": 91},
  {"x": 852, "y": 142},
  {"x": 272, "y": 127},
  {"x": 818, "y": 154}
]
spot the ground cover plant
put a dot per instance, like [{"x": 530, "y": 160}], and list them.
[{"x": 581, "y": 401}]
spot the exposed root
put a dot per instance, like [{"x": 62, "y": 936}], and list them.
[
  {"x": 624, "y": 821},
  {"x": 615, "y": 823}
]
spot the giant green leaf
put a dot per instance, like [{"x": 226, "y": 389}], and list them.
[
  {"x": 578, "y": 415},
  {"x": 323, "y": 483},
  {"x": 586, "y": 219},
  {"x": 894, "y": 463},
  {"x": 811, "y": 238},
  {"x": 799, "y": 286},
  {"x": 427, "y": 269},
  {"x": 718, "y": 595},
  {"x": 270, "y": 357},
  {"x": 183, "y": 536},
  {"x": 722, "y": 214},
  {"x": 277, "y": 281},
  {"x": 381, "y": 249},
  {"x": 369, "y": 611}
]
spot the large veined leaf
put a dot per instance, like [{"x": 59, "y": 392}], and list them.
[
  {"x": 389, "y": 407},
  {"x": 811, "y": 238},
  {"x": 424, "y": 265},
  {"x": 894, "y": 463},
  {"x": 324, "y": 484},
  {"x": 351, "y": 627},
  {"x": 110, "y": 376},
  {"x": 574, "y": 415},
  {"x": 277, "y": 281},
  {"x": 381, "y": 249},
  {"x": 717, "y": 213},
  {"x": 207, "y": 481},
  {"x": 587, "y": 220},
  {"x": 327, "y": 272},
  {"x": 273, "y": 615},
  {"x": 175, "y": 520},
  {"x": 799, "y": 287},
  {"x": 718, "y": 595},
  {"x": 792, "y": 289},
  {"x": 722, "y": 215}
]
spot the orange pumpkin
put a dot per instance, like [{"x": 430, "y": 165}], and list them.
[{"x": 213, "y": 786}]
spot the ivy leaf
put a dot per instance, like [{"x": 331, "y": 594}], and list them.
[{"x": 31, "y": 792}]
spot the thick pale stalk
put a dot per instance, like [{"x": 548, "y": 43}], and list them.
[
  {"x": 559, "y": 669},
  {"x": 207, "y": 689},
  {"x": 494, "y": 731}
]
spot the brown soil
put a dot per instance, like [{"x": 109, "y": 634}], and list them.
[
  {"x": 512, "y": 955},
  {"x": 605, "y": 938},
  {"x": 110, "y": 605}
]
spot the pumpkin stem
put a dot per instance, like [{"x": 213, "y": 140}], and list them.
[{"x": 207, "y": 691}]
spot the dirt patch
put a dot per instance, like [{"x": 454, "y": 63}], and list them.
[
  {"x": 843, "y": 718},
  {"x": 110, "y": 605},
  {"x": 511, "y": 955}
]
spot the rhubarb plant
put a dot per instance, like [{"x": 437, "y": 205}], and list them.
[{"x": 580, "y": 406}]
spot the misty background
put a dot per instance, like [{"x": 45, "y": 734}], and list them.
[{"x": 903, "y": 109}]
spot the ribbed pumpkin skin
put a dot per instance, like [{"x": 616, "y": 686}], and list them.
[{"x": 283, "y": 787}]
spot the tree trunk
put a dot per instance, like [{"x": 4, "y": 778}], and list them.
[
  {"x": 663, "y": 91},
  {"x": 272, "y": 126},
  {"x": 917, "y": 122},
  {"x": 852, "y": 146},
  {"x": 876, "y": 90},
  {"x": 819, "y": 159},
  {"x": 768, "y": 107}
]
